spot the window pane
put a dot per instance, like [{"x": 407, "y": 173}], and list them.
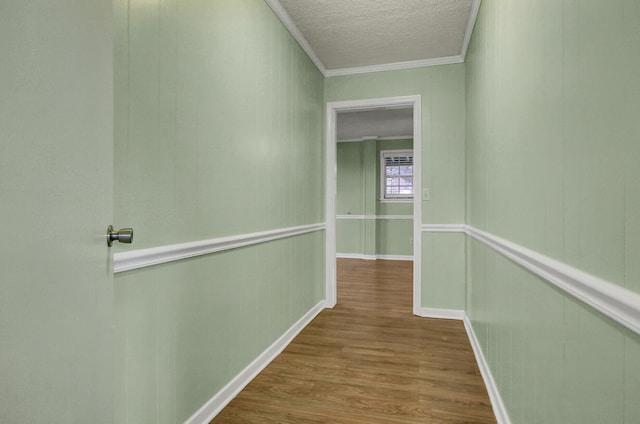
[
  {"x": 393, "y": 190},
  {"x": 393, "y": 170},
  {"x": 406, "y": 181},
  {"x": 406, "y": 190},
  {"x": 406, "y": 170}
]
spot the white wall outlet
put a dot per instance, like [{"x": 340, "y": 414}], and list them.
[{"x": 426, "y": 194}]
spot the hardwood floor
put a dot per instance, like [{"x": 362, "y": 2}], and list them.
[{"x": 369, "y": 360}]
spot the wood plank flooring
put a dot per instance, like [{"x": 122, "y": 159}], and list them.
[{"x": 369, "y": 360}]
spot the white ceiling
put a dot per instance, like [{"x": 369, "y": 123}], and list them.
[
  {"x": 345, "y": 37},
  {"x": 379, "y": 123}
]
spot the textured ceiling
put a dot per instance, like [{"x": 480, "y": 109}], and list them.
[
  {"x": 354, "y": 36},
  {"x": 361, "y": 33},
  {"x": 380, "y": 123}
]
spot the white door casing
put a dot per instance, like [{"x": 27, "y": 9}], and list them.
[{"x": 332, "y": 109}]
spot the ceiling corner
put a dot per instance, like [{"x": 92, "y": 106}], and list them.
[
  {"x": 286, "y": 20},
  {"x": 473, "y": 15}
]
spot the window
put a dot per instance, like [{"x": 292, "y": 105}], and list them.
[{"x": 396, "y": 175}]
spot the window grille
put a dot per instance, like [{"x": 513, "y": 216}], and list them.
[{"x": 396, "y": 174}]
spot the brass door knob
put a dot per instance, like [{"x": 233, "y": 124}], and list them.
[{"x": 123, "y": 235}]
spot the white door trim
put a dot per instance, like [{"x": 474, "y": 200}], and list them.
[{"x": 332, "y": 109}]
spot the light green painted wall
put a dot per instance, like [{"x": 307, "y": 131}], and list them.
[
  {"x": 350, "y": 179},
  {"x": 218, "y": 113},
  {"x": 552, "y": 145},
  {"x": 218, "y": 132},
  {"x": 443, "y": 259},
  {"x": 394, "y": 237},
  {"x": 442, "y": 89},
  {"x": 358, "y": 193},
  {"x": 350, "y": 234},
  {"x": 56, "y": 192},
  {"x": 185, "y": 329}
]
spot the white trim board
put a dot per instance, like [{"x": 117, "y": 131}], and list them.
[
  {"x": 134, "y": 259},
  {"x": 374, "y": 257},
  {"x": 441, "y": 313},
  {"x": 214, "y": 405},
  {"x": 395, "y": 66},
  {"x": 471, "y": 22},
  {"x": 615, "y": 302},
  {"x": 356, "y": 256},
  {"x": 395, "y": 257},
  {"x": 499, "y": 409},
  {"x": 389, "y": 138},
  {"x": 397, "y": 217},
  {"x": 443, "y": 228},
  {"x": 332, "y": 108},
  {"x": 286, "y": 20}
]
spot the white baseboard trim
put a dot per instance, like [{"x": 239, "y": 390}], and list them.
[
  {"x": 395, "y": 257},
  {"x": 355, "y": 256},
  {"x": 134, "y": 259},
  {"x": 497, "y": 404},
  {"x": 441, "y": 313},
  {"x": 374, "y": 257},
  {"x": 210, "y": 409}
]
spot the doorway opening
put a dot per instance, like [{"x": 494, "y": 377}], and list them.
[{"x": 333, "y": 109}]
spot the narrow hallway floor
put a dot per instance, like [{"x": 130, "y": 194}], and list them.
[{"x": 369, "y": 360}]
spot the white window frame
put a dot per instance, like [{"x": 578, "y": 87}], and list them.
[{"x": 383, "y": 183}]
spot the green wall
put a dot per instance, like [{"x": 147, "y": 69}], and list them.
[
  {"x": 358, "y": 193},
  {"x": 218, "y": 132},
  {"x": 552, "y": 145},
  {"x": 442, "y": 89}
]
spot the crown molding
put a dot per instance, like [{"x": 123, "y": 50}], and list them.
[
  {"x": 392, "y": 137},
  {"x": 295, "y": 32},
  {"x": 395, "y": 66},
  {"x": 471, "y": 22}
]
